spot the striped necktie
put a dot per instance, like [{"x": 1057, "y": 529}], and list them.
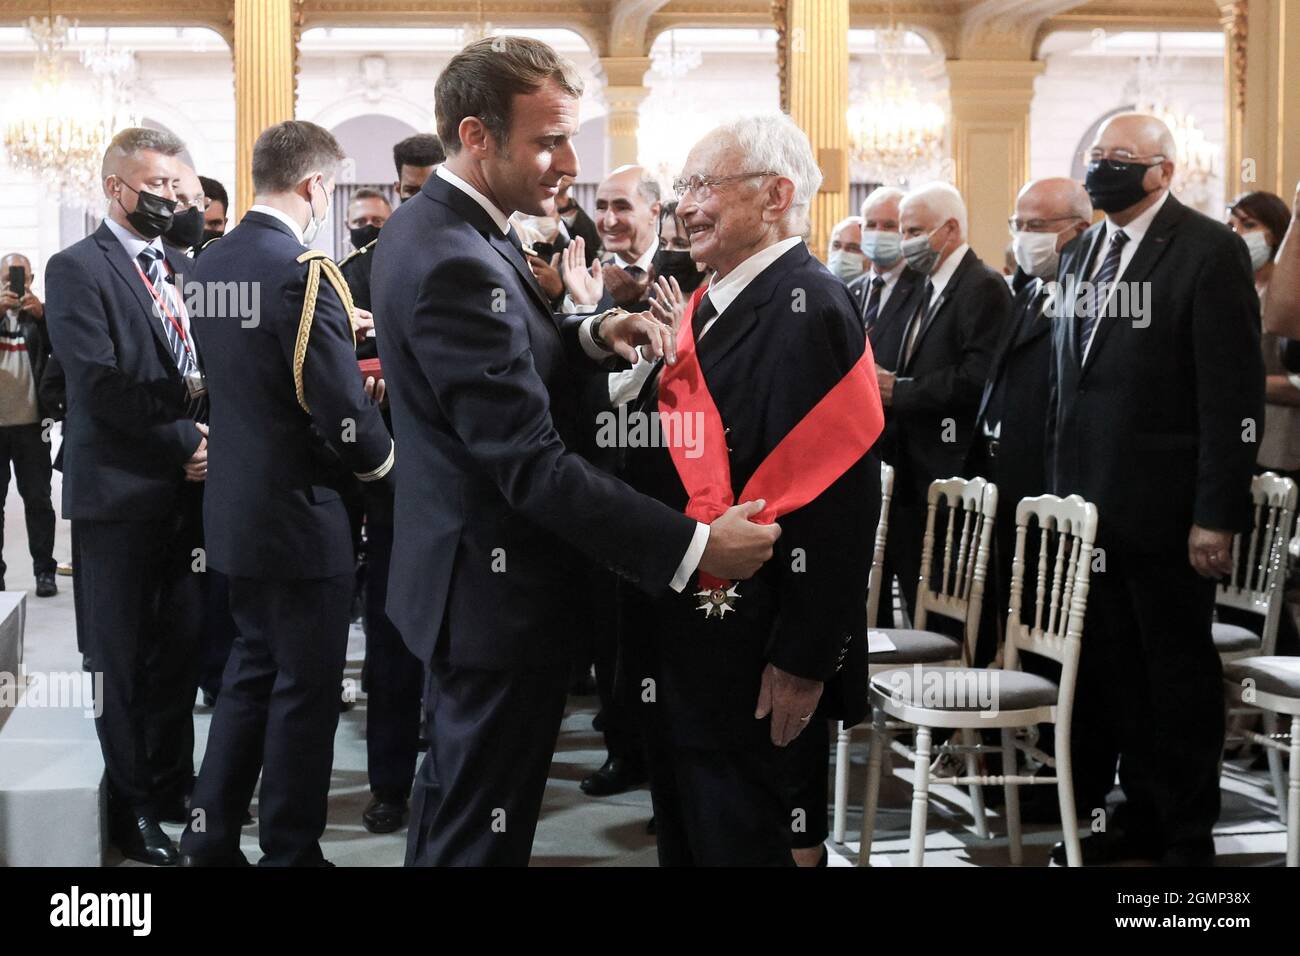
[
  {"x": 1095, "y": 300},
  {"x": 151, "y": 263}
]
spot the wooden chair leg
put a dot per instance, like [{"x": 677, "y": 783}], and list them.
[
  {"x": 920, "y": 795},
  {"x": 1012, "y": 797},
  {"x": 1293, "y": 803},
  {"x": 970, "y": 737},
  {"x": 1065, "y": 796},
  {"x": 871, "y": 794},
  {"x": 1269, "y": 721},
  {"x": 841, "y": 782}
]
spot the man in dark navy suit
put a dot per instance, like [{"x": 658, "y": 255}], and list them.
[
  {"x": 493, "y": 511},
  {"x": 719, "y": 697},
  {"x": 292, "y": 417},
  {"x": 944, "y": 350},
  {"x": 134, "y": 455},
  {"x": 1008, "y": 447},
  {"x": 1157, "y": 391}
]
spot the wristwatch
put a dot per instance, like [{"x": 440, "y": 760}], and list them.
[{"x": 595, "y": 329}]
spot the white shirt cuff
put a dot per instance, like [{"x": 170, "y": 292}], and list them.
[
  {"x": 569, "y": 307},
  {"x": 626, "y": 385},
  {"x": 1293, "y": 379},
  {"x": 686, "y": 570}
]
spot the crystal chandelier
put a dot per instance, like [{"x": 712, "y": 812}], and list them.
[
  {"x": 892, "y": 132},
  {"x": 59, "y": 129},
  {"x": 1195, "y": 157}
]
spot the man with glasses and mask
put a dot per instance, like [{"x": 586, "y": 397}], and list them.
[
  {"x": 945, "y": 347},
  {"x": 134, "y": 449},
  {"x": 186, "y": 231},
  {"x": 1009, "y": 427},
  {"x": 1157, "y": 407}
]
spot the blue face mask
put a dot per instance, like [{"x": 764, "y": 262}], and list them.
[{"x": 882, "y": 248}]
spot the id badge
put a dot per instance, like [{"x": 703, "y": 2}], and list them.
[{"x": 195, "y": 385}]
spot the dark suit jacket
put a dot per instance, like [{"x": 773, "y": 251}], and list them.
[
  {"x": 126, "y": 434},
  {"x": 272, "y": 507},
  {"x": 492, "y": 507},
  {"x": 1151, "y": 428},
  {"x": 766, "y": 366},
  {"x": 584, "y": 226},
  {"x": 1016, "y": 394},
  {"x": 938, "y": 391},
  {"x": 886, "y": 333}
]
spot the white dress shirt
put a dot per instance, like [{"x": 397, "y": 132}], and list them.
[
  {"x": 700, "y": 540},
  {"x": 891, "y": 279},
  {"x": 1136, "y": 232},
  {"x": 134, "y": 245}
]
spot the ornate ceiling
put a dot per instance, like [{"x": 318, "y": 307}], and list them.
[{"x": 1001, "y": 29}]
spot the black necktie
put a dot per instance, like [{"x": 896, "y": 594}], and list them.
[
  {"x": 873, "y": 303},
  {"x": 513, "y": 236},
  {"x": 918, "y": 323},
  {"x": 703, "y": 313},
  {"x": 1094, "y": 299}
]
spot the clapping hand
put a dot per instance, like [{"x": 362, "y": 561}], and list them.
[{"x": 586, "y": 286}]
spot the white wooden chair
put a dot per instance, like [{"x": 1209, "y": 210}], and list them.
[
  {"x": 969, "y": 509},
  {"x": 929, "y": 697},
  {"x": 1259, "y": 566},
  {"x": 1273, "y": 685},
  {"x": 1258, "y": 585},
  {"x": 875, "y": 582}
]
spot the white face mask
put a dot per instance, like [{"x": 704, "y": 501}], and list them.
[
  {"x": 846, "y": 266},
  {"x": 1260, "y": 251},
  {"x": 1036, "y": 253},
  {"x": 313, "y": 227}
]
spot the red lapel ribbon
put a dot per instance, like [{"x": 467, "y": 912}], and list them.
[{"x": 830, "y": 439}]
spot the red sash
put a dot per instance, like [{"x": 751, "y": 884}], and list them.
[{"x": 830, "y": 439}]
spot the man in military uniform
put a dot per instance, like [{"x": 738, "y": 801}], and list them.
[{"x": 286, "y": 391}]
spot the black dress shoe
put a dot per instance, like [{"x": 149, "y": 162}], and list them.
[
  {"x": 1100, "y": 849},
  {"x": 145, "y": 842},
  {"x": 616, "y": 776},
  {"x": 384, "y": 815},
  {"x": 45, "y": 586}
]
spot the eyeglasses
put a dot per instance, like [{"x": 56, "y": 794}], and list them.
[
  {"x": 1121, "y": 156},
  {"x": 702, "y": 186},
  {"x": 1034, "y": 225}
]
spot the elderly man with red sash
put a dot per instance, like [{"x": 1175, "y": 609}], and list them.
[{"x": 772, "y": 400}]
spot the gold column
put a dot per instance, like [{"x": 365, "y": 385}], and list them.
[
  {"x": 1268, "y": 154},
  {"x": 1235, "y": 22},
  {"x": 264, "y": 81},
  {"x": 990, "y": 144},
  {"x": 816, "y": 54},
  {"x": 624, "y": 92}
]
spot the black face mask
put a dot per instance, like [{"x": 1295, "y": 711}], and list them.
[
  {"x": 363, "y": 236},
  {"x": 1115, "y": 186},
  {"x": 210, "y": 234},
  {"x": 152, "y": 215},
  {"x": 186, "y": 230},
  {"x": 678, "y": 264}
]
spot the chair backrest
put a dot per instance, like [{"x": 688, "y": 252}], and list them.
[
  {"x": 1062, "y": 531},
  {"x": 1259, "y": 557},
  {"x": 877, "y": 579},
  {"x": 972, "y": 504}
]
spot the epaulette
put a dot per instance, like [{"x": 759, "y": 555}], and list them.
[
  {"x": 318, "y": 262},
  {"x": 357, "y": 252}
]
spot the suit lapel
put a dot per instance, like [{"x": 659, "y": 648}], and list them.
[
  {"x": 741, "y": 315},
  {"x": 1149, "y": 251},
  {"x": 126, "y": 269},
  {"x": 932, "y": 314},
  {"x": 1029, "y": 325},
  {"x": 1074, "y": 272},
  {"x": 440, "y": 190}
]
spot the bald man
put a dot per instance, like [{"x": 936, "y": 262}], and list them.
[
  {"x": 24, "y": 352},
  {"x": 1008, "y": 444},
  {"x": 1157, "y": 400},
  {"x": 627, "y": 218}
]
